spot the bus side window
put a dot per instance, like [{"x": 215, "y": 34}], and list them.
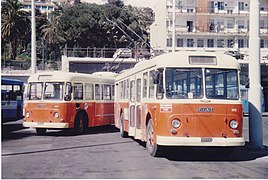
[
  {"x": 78, "y": 91},
  {"x": 98, "y": 92},
  {"x": 68, "y": 92},
  {"x": 107, "y": 92},
  {"x": 160, "y": 87}
]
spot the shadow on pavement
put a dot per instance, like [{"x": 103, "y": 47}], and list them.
[
  {"x": 211, "y": 154},
  {"x": 13, "y": 131},
  {"x": 243, "y": 153},
  {"x": 91, "y": 130}
]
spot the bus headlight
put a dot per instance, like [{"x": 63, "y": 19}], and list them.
[
  {"x": 176, "y": 123},
  {"x": 27, "y": 115},
  {"x": 56, "y": 115},
  {"x": 233, "y": 124}
]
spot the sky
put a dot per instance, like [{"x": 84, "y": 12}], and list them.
[{"x": 139, "y": 3}]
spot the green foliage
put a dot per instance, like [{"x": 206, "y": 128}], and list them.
[
  {"x": 15, "y": 25},
  {"x": 81, "y": 26}
]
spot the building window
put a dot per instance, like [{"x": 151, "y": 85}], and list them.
[
  {"x": 220, "y": 5},
  {"x": 241, "y": 6},
  {"x": 190, "y": 10},
  {"x": 200, "y": 42},
  {"x": 169, "y": 23},
  {"x": 211, "y": 7},
  {"x": 220, "y": 25},
  {"x": 230, "y": 43},
  {"x": 230, "y": 23},
  {"x": 262, "y": 22},
  {"x": 210, "y": 42},
  {"x": 262, "y": 43},
  {"x": 240, "y": 43},
  {"x": 240, "y": 24},
  {"x": 169, "y": 42},
  {"x": 190, "y": 43},
  {"x": 220, "y": 43},
  {"x": 179, "y": 42}
]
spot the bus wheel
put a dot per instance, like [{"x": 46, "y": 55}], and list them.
[
  {"x": 80, "y": 124},
  {"x": 41, "y": 131},
  {"x": 123, "y": 133},
  {"x": 151, "y": 146}
]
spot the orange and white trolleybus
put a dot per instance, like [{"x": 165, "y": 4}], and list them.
[
  {"x": 69, "y": 100},
  {"x": 186, "y": 98}
]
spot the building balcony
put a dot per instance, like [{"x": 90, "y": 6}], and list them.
[
  {"x": 229, "y": 11},
  {"x": 218, "y": 31}
]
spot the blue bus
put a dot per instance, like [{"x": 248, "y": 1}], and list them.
[
  {"x": 11, "y": 99},
  {"x": 244, "y": 98}
]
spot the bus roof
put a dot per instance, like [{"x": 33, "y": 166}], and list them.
[
  {"x": 6, "y": 81},
  {"x": 182, "y": 59},
  {"x": 59, "y": 76}
]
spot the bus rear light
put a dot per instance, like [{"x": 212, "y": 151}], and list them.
[
  {"x": 176, "y": 123},
  {"x": 173, "y": 131},
  {"x": 236, "y": 132},
  {"x": 56, "y": 115},
  {"x": 233, "y": 124},
  {"x": 27, "y": 115}
]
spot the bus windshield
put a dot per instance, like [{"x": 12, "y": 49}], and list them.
[
  {"x": 52, "y": 91},
  {"x": 221, "y": 84},
  {"x": 187, "y": 83},
  {"x": 184, "y": 83}
]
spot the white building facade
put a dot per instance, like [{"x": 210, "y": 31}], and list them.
[{"x": 207, "y": 24}]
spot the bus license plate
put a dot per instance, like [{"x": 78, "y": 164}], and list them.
[{"x": 206, "y": 139}]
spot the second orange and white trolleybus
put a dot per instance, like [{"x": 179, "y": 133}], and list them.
[
  {"x": 69, "y": 100},
  {"x": 187, "y": 98}
]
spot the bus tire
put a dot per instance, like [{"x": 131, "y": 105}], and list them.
[
  {"x": 41, "y": 131},
  {"x": 151, "y": 146},
  {"x": 80, "y": 124},
  {"x": 123, "y": 133}
]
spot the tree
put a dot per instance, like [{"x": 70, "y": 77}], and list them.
[
  {"x": 15, "y": 25},
  {"x": 117, "y": 3}
]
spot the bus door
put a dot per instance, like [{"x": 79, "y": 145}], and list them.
[
  {"x": 131, "y": 129},
  {"x": 117, "y": 107},
  {"x": 138, "y": 108}
]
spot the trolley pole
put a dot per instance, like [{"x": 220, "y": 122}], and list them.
[
  {"x": 255, "y": 110},
  {"x": 33, "y": 41}
]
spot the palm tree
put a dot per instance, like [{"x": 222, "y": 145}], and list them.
[
  {"x": 15, "y": 25},
  {"x": 50, "y": 31},
  {"x": 53, "y": 35}
]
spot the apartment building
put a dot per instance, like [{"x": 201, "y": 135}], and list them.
[
  {"x": 214, "y": 25},
  {"x": 45, "y": 6}
]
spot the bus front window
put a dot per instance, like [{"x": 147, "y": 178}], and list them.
[
  {"x": 184, "y": 83},
  {"x": 221, "y": 84},
  {"x": 53, "y": 91},
  {"x": 35, "y": 91}
]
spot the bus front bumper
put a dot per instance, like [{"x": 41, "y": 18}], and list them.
[
  {"x": 198, "y": 141},
  {"x": 45, "y": 125}
]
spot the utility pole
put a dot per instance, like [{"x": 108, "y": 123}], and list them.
[
  {"x": 174, "y": 26},
  {"x": 33, "y": 41},
  {"x": 255, "y": 109}
]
